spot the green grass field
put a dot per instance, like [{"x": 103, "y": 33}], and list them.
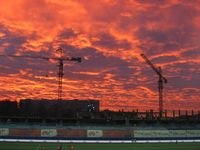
[{"x": 51, "y": 146}]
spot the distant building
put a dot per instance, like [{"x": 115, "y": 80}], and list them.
[
  {"x": 8, "y": 107},
  {"x": 44, "y": 107}
]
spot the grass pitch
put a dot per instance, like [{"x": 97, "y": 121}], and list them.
[{"x": 53, "y": 146}]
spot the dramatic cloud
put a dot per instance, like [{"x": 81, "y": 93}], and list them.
[{"x": 109, "y": 35}]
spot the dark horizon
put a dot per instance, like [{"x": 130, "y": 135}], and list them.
[
  {"x": 110, "y": 36},
  {"x": 117, "y": 108}
]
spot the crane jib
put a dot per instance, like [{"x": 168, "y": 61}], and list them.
[
  {"x": 77, "y": 59},
  {"x": 60, "y": 66}
]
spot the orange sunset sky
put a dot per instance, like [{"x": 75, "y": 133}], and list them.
[{"x": 110, "y": 35}]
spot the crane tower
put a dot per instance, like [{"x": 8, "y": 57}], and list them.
[{"x": 161, "y": 82}]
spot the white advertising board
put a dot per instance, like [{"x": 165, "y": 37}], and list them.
[
  {"x": 4, "y": 131},
  {"x": 94, "y": 133},
  {"x": 178, "y": 133},
  {"x": 166, "y": 133},
  {"x": 151, "y": 133},
  {"x": 193, "y": 133},
  {"x": 48, "y": 132}
]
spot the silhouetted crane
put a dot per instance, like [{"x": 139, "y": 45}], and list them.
[
  {"x": 160, "y": 82},
  {"x": 60, "y": 60}
]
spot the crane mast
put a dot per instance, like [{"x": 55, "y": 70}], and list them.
[
  {"x": 60, "y": 60},
  {"x": 60, "y": 78},
  {"x": 160, "y": 91},
  {"x": 60, "y": 72},
  {"x": 161, "y": 82}
]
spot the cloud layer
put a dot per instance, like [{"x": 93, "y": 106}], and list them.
[{"x": 110, "y": 35}]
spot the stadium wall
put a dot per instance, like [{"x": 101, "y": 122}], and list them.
[
  {"x": 65, "y": 133},
  {"x": 98, "y": 134}
]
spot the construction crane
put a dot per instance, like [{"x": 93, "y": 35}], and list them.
[
  {"x": 60, "y": 60},
  {"x": 161, "y": 82}
]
